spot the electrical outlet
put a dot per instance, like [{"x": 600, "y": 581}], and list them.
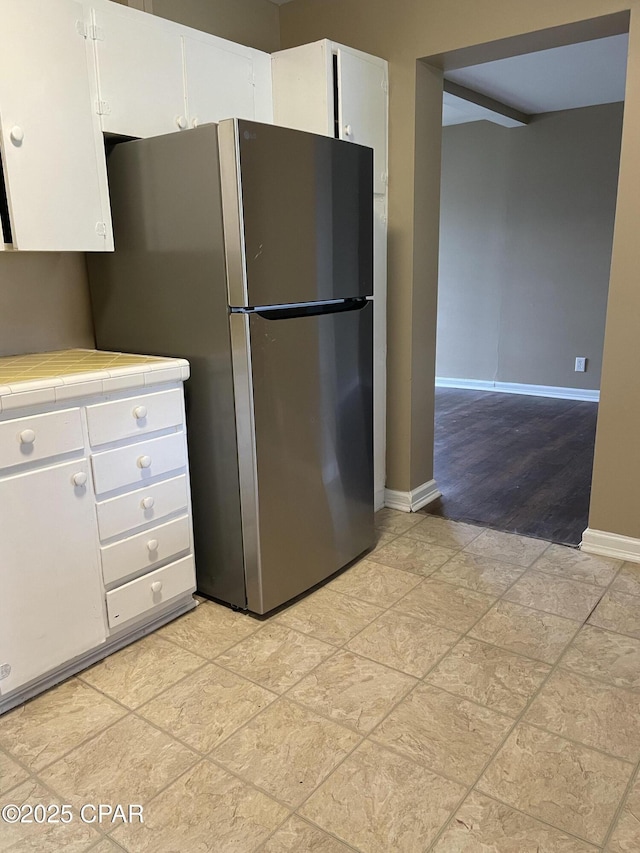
[{"x": 581, "y": 365}]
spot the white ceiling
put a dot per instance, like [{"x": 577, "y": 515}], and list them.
[
  {"x": 563, "y": 78},
  {"x": 578, "y": 75}
]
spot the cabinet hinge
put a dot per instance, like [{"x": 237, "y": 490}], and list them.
[
  {"x": 89, "y": 31},
  {"x": 384, "y": 177},
  {"x": 101, "y": 229},
  {"x": 385, "y": 86},
  {"x": 103, "y": 108}
]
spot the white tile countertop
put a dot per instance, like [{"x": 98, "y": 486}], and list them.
[{"x": 51, "y": 377}]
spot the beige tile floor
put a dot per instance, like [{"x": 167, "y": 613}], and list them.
[{"x": 459, "y": 690}]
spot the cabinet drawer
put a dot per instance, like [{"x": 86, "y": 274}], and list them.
[
  {"x": 136, "y": 463},
  {"x": 145, "y": 549},
  {"x": 150, "y": 591},
  {"x": 134, "y": 416},
  {"x": 118, "y": 515},
  {"x": 39, "y": 437}
]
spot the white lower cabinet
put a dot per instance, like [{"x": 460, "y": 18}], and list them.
[
  {"x": 51, "y": 599},
  {"x": 96, "y": 539},
  {"x": 143, "y": 511}
]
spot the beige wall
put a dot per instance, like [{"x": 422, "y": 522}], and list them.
[
  {"x": 44, "y": 302},
  {"x": 251, "y": 22},
  {"x": 402, "y": 32},
  {"x": 526, "y": 228}
]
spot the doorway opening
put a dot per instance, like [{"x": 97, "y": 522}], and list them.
[{"x": 531, "y": 148}]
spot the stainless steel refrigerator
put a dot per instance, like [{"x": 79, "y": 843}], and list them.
[{"x": 247, "y": 249}]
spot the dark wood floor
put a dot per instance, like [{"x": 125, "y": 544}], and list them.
[{"x": 514, "y": 463}]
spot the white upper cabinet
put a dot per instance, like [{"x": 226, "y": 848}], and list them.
[
  {"x": 307, "y": 80},
  {"x": 139, "y": 71},
  {"x": 225, "y": 80},
  {"x": 52, "y": 148},
  {"x": 219, "y": 82},
  {"x": 71, "y": 71},
  {"x": 362, "y": 107},
  {"x": 303, "y": 88},
  {"x": 155, "y": 76}
]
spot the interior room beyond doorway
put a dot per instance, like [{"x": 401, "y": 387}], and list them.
[
  {"x": 515, "y": 463},
  {"x": 527, "y": 218}
]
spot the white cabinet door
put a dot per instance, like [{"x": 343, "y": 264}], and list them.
[
  {"x": 262, "y": 86},
  {"x": 52, "y": 150},
  {"x": 140, "y": 76},
  {"x": 362, "y": 110},
  {"x": 303, "y": 87},
  {"x": 51, "y": 606},
  {"x": 304, "y": 95},
  {"x": 219, "y": 82}
]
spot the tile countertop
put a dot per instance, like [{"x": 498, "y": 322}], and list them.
[{"x": 51, "y": 377}]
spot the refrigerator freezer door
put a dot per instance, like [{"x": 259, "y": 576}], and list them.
[
  {"x": 305, "y": 433},
  {"x": 298, "y": 213}
]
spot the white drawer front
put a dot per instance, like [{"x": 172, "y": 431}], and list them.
[
  {"x": 134, "y": 416},
  {"x": 39, "y": 437},
  {"x": 134, "y": 464},
  {"x": 145, "y": 549},
  {"x": 119, "y": 515},
  {"x": 150, "y": 591}
]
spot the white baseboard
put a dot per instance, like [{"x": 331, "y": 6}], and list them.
[
  {"x": 414, "y": 500},
  {"x": 610, "y": 545},
  {"x": 587, "y": 394}
]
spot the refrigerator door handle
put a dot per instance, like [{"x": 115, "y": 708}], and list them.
[{"x": 312, "y": 309}]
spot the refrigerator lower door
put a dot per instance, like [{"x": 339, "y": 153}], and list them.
[{"x": 303, "y": 390}]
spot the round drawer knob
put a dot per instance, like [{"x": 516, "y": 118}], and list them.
[
  {"x": 147, "y": 503},
  {"x": 156, "y": 586},
  {"x": 27, "y": 436},
  {"x": 79, "y": 479},
  {"x": 347, "y": 130},
  {"x": 182, "y": 122},
  {"x": 195, "y": 121},
  {"x": 152, "y": 545},
  {"x": 16, "y": 134},
  {"x": 144, "y": 462},
  {"x": 140, "y": 412}
]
